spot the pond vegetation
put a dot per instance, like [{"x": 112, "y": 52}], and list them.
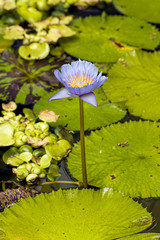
[{"x": 39, "y": 139}]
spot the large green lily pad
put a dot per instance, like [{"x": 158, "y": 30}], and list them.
[
  {"x": 68, "y": 110},
  {"x": 104, "y": 39},
  {"x": 142, "y": 9},
  {"x": 134, "y": 79},
  {"x": 25, "y": 82},
  {"x": 75, "y": 215},
  {"x": 123, "y": 156}
]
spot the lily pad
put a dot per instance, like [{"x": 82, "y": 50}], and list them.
[
  {"x": 142, "y": 9},
  {"x": 86, "y": 215},
  {"x": 6, "y": 134},
  {"x": 34, "y": 51},
  {"x": 104, "y": 39},
  {"x": 68, "y": 109},
  {"x": 24, "y": 81},
  {"x": 134, "y": 79},
  {"x": 123, "y": 156}
]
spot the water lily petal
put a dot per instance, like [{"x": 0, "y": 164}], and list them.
[
  {"x": 89, "y": 98},
  {"x": 67, "y": 71},
  {"x": 61, "y": 76},
  {"x": 64, "y": 93},
  {"x": 100, "y": 82},
  {"x": 91, "y": 69},
  {"x": 58, "y": 75}
]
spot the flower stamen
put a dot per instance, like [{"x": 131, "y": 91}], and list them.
[{"x": 80, "y": 81}]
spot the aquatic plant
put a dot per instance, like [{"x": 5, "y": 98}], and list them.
[
  {"x": 118, "y": 156},
  {"x": 142, "y": 9},
  {"x": 11, "y": 191},
  {"x": 106, "y": 38},
  {"x": 46, "y": 24},
  {"x": 134, "y": 80},
  {"x": 122, "y": 156},
  {"x": 26, "y": 81},
  {"x": 106, "y": 112},
  {"x": 33, "y": 144},
  {"x": 76, "y": 215},
  {"x": 80, "y": 79}
]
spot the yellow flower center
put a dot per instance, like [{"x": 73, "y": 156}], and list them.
[{"x": 79, "y": 81}]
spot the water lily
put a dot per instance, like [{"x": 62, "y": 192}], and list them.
[{"x": 80, "y": 78}]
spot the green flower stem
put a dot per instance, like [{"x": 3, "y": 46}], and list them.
[{"x": 83, "y": 158}]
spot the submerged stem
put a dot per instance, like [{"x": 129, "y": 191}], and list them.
[
  {"x": 83, "y": 158},
  {"x": 69, "y": 182}
]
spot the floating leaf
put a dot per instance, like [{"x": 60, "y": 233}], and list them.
[
  {"x": 11, "y": 106},
  {"x": 17, "y": 160},
  {"x": 68, "y": 109},
  {"x": 39, "y": 26},
  {"x": 45, "y": 161},
  {"x": 8, "y": 4},
  {"x": 48, "y": 116},
  {"x": 30, "y": 14},
  {"x": 14, "y": 32},
  {"x": 9, "y": 18},
  {"x": 56, "y": 51},
  {"x": 37, "y": 142},
  {"x": 58, "y": 150},
  {"x": 12, "y": 151},
  {"x": 123, "y": 156},
  {"x": 6, "y": 134},
  {"x": 52, "y": 36},
  {"x": 105, "y": 39},
  {"x": 87, "y": 214},
  {"x": 142, "y": 9},
  {"x": 42, "y": 5},
  {"x": 28, "y": 113},
  {"x": 65, "y": 31},
  {"x": 34, "y": 51},
  {"x": 3, "y": 42},
  {"x": 25, "y": 81},
  {"x": 135, "y": 81}
]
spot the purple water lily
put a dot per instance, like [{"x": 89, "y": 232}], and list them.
[{"x": 80, "y": 79}]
